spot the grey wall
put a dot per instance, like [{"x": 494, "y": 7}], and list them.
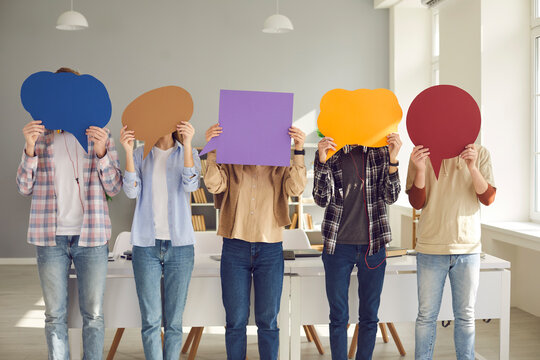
[{"x": 202, "y": 45}]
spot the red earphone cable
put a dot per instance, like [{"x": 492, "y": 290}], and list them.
[{"x": 75, "y": 172}]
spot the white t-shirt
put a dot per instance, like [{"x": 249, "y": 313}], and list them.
[
  {"x": 160, "y": 193},
  {"x": 68, "y": 165}
]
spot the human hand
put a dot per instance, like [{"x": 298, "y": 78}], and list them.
[
  {"x": 99, "y": 137},
  {"x": 470, "y": 155},
  {"x": 394, "y": 144},
  {"x": 213, "y": 131},
  {"x": 324, "y": 145},
  {"x": 298, "y": 136},
  {"x": 186, "y": 131},
  {"x": 31, "y": 132},
  {"x": 418, "y": 158},
  {"x": 127, "y": 137}
]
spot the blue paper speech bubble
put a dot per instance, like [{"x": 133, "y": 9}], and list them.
[{"x": 66, "y": 101}]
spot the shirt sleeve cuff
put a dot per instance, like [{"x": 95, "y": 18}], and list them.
[
  {"x": 130, "y": 176},
  {"x": 298, "y": 160},
  {"x": 319, "y": 166},
  {"x": 190, "y": 171},
  {"x": 104, "y": 161},
  {"x": 488, "y": 196},
  {"x": 393, "y": 176},
  {"x": 29, "y": 161},
  {"x": 417, "y": 197}
]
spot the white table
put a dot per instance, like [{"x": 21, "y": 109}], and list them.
[
  {"x": 303, "y": 299},
  {"x": 399, "y": 301},
  {"x": 204, "y": 306}
]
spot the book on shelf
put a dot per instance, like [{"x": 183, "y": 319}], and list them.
[
  {"x": 294, "y": 221},
  {"x": 198, "y": 222},
  {"x": 199, "y": 196},
  {"x": 203, "y": 167}
]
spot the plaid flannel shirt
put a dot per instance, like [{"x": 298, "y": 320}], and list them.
[
  {"x": 35, "y": 177},
  {"x": 382, "y": 188}
]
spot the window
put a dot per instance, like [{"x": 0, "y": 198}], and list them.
[
  {"x": 535, "y": 87},
  {"x": 536, "y": 119},
  {"x": 435, "y": 47}
]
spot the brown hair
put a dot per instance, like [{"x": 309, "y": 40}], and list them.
[
  {"x": 178, "y": 137},
  {"x": 67, "y": 70}
]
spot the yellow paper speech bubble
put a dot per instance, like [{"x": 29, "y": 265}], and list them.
[{"x": 359, "y": 117}]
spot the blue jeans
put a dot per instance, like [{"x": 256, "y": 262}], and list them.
[
  {"x": 338, "y": 268},
  {"x": 90, "y": 263},
  {"x": 464, "y": 273},
  {"x": 175, "y": 264},
  {"x": 240, "y": 262}
]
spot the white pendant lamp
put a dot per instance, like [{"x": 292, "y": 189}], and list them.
[
  {"x": 71, "y": 20},
  {"x": 277, "y": 23}
]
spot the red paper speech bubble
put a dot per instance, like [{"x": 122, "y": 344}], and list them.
[{"x": 443, "y": 118}]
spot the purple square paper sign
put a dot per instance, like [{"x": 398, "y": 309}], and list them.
[{"x": 255, "y": 128}]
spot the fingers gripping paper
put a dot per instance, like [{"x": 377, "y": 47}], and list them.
[
  {"x": 362, "y": 117},
  {"x": 255, "y": 128},
  {"x": 443, "y": 118},
  {"x": 156, "y": 113},
  {"x": 66, "y": 101}
]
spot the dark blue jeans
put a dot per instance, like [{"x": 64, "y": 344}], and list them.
[
  {"x": 338, "y": 268},
  {"x": 241, "y": 262}
]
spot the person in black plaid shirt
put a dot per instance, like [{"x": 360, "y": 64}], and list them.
[{"x": 355, "y": 186}]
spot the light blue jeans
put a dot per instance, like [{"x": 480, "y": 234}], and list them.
[
  {"x": 91, "y": 268},
  {"x": 175, "y": 264},
  {"x": 464, "y": 273}
]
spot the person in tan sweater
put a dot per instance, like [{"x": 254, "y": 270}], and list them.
[
  {"x": 253, "y": 203},
  {"x": 448, "y": 242}
]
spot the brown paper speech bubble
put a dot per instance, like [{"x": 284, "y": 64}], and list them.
[{"x": 156, "y": 113}]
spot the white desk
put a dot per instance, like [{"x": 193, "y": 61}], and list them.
[
  {"x": 204, "y": 306},
  {"x": 399, "y": 301},
  {"x": 304, "y": 287}
]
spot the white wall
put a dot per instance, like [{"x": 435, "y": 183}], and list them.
[
  {"x": 506, "y": 117},
  {"x": 410, "y": 70},
  {"x": 203, "y": 45},
  {"x": 459, "y": 60},
  {"x": 506, "y": 132}
]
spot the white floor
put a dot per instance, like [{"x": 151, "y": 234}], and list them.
[{"x": 22, "y": 337}]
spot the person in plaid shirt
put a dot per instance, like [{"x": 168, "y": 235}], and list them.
[
  {"x": 355, "y": 186},
  {"x": 69, "y": 222}
]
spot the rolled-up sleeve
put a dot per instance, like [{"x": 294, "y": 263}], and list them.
[
  {"x": 26, "y": 174},
  {"x": 191, "y": 176},
  {"x": 392, "y": 187},
  {"x": 132, "y": 184},
  {"x": 322, "y": 183},
  {"x": 109, "y": 170},
  {"x": 215, "y": 178},
  {"x": 296, "y": 177}
]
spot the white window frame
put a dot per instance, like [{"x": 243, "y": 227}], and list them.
[
  {"x": 535, "y": 111},
  {"x": 435, "y": 46}
]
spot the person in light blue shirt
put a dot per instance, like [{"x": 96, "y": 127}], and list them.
[{"x": 162, "y": 233}]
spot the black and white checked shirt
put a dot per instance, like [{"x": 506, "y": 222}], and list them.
[{"x": 382, "y": 189}]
